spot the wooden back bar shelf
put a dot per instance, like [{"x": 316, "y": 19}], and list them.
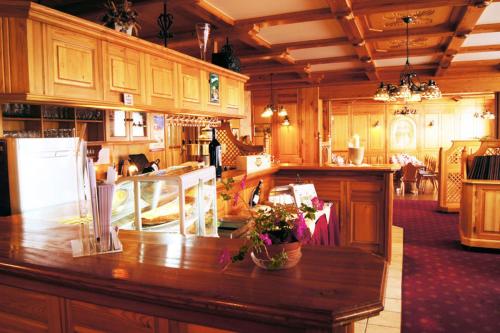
[
  {"x": 450, "y": 178},
  {"x": 480, "y": 203},
  {"x": 169, "y": 283}
]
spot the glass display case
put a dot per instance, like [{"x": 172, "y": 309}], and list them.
[{"x": 179, "y": 199}]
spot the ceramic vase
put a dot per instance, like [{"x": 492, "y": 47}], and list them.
[{"x": 293, "y": 251}]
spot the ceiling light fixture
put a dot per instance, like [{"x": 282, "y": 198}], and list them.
[
  {"x": 286, "y": 121},
  {"x": 405, "y": 111},
  {"x": 485, "y": 114},
  {"x": 271, "y": 108},
  {"x": 410, "y": 88}
]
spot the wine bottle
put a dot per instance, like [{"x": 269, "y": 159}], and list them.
[
  {"x": 214, "y": 149},
  {"x": 255, "y": 197}
]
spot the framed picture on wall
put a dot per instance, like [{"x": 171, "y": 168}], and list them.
[
  {"x": 157, "y": 132},
  {"x": 236, "y": 132},
  {"x": 214, "y": 88}
]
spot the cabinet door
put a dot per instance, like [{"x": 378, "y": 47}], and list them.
[
  {"x": 139, "y": 126},
  {"x": 124, "y": 69},
  {"x": 73, "y": 65},
  {"x": 190, "y": 88},
  {"x": 161, "y": 76},
  {"x": 117, "y": 127},
  {"x": 27, "y": 311},
  {"x": 233, "y": 96},
  {"x": 488, "y": 208},
  {"x": 366, "y": 215}
]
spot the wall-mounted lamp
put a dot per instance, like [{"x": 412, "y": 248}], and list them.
[
  {"x": 431, "y": 123},
  {"x": 377, "y": 124},
  {"x": 286, "y": 121}
]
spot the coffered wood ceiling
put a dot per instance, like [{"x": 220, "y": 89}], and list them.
[{"x": 306, "y": 42}]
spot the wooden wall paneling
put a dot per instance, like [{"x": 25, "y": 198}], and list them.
[
  {"x": 359, "y": 126},
  {"x": 289, "y": 137},
  {"x": 3, "y": 57},
  {"x": 73, "y": 62},
  {"x": 37, "y": 60},
  {"x": 308, "y": 101},
  {"x": 448, "y": 130},
  {"x": 15, "y": 55},
  {"x": 431, "y": 125}
]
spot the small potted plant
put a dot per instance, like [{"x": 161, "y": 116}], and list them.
[
  {"x": 121, "y": 17},
  {"x": 276, "y": 233}
]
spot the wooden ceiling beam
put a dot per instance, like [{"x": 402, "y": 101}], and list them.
[
  {"x": 276, "y": 69},
  {"x": 281, "y": 56},
  {"x": 313, "y": 43},
  {"x": 402, "y": 53},
  {"x": 329, "y": 60},
  {"x": 354, "y": 32},
  {"x": 366, "y": 7},
  {"x": 206, "y": 12},
  {"x": 437, "y": 31},
  {"x": 484, "y": 28},
  {"x": 482, "y": 48},
  {"x": 464, "y": 27},
  {"x": 288, "y": 18}
]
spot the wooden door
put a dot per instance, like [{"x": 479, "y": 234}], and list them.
[
  {"x": 161, "y": 78},
  {"x": 73, "y": 65},
  {"x": 190, "y": 88},
  {"x": 123, "y": 73}
]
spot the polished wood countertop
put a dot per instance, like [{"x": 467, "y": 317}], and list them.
[
  {"x": 335, "y": 167},
  {"x": 329, "y": 287}
]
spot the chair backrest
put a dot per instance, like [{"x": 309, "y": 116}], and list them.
[{"x": 409, "y": 173}]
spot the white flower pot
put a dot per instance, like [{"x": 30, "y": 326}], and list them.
[{"x": 121, "y": 28}]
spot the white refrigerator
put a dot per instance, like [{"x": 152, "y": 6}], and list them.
[{"x": 41, "y": 172}]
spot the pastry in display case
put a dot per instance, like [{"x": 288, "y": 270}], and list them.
[{"x": 180, "y": 199}]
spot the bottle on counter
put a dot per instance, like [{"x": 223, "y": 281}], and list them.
[
  {"x": 215, "y": 152},
  {"x": 255, "y": 197}
]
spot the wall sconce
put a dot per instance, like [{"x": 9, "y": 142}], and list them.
[
  {"x": 377, "y": 124},
  {"x": 286, "y": 122},
  {"x": 431, "y": 123}
]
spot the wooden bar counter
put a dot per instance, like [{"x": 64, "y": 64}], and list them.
[
  {"x": 168, "y": 283},
  {"x": 362, "y": 195}
]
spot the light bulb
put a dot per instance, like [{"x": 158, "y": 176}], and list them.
[{"x": 268, "y": 112}]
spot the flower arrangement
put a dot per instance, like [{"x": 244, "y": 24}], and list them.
[
  {"x": 121, "y": 16},
  {"x": 275, "y": 225}
]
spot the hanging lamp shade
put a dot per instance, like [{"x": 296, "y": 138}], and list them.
[
  {"x": 282, "y": 112},
  {"x": 268, "y": 111},
  {"x": 286, "y": 122}
]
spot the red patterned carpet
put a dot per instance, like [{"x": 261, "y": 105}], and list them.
[{"x": 445, "y": 288}]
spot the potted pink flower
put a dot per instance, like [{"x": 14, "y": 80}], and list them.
[{"x": 276, "y": 234}]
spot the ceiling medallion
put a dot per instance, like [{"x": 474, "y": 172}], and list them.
[
  {"x": 419, "y": 17},
  {"x": 417, "y": 42},
  {"x": 410, "y": 89}
]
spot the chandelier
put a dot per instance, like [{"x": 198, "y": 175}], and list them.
[
  {"x": 271, "y": 108},
  {"x": 410, "y": 88}
]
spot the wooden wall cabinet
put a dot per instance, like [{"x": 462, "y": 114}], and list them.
[
  {"x": 161, "y": 78},
  {"x": 480, "y": 213},
  {"x": 123, "y": 73},
  {"x": 73, "y": 65},
  {"x": 190, "y": 88},
  {"x": 49, "y": 57}
]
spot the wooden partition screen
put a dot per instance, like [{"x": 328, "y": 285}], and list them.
[
  {"x": 450, "y": 179},
  {"x": 233, "y": 147}
]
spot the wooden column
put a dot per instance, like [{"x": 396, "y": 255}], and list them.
[{"x": 308, "y": 103}]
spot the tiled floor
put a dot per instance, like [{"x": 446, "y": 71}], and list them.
[{"x": 389, "y": 320}]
